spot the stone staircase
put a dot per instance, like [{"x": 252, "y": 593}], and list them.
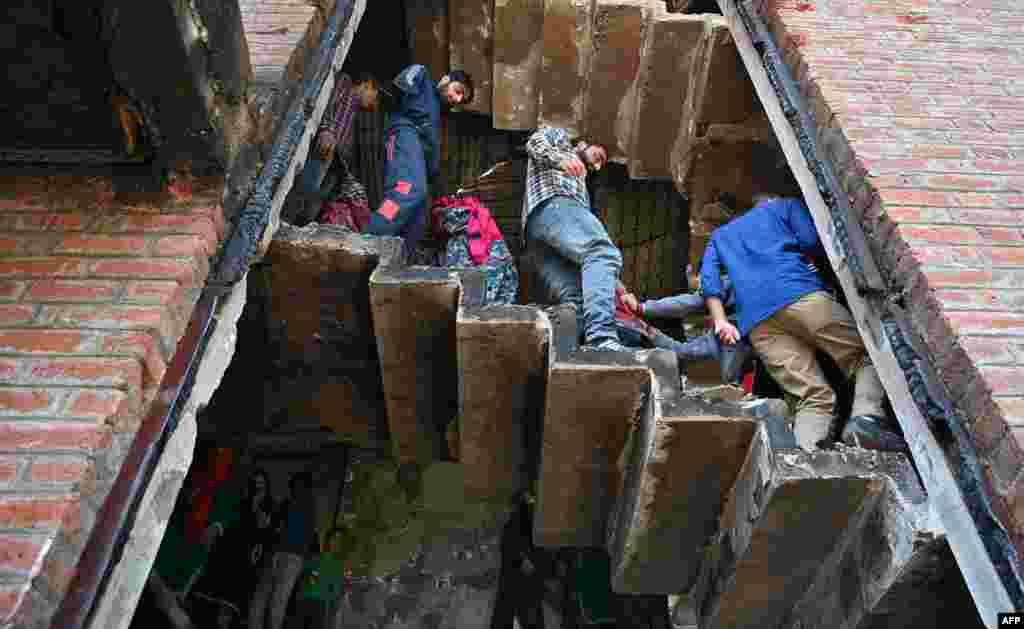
[{"x": 625, "y": 73}]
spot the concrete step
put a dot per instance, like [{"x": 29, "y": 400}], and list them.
[
  {"x": 316, "y": 284},
  {"x": 612, "y": 72},
  {"x": 680, "y": 471},
  {"x": 502, "y": 365},
  {"x": 517, "y": 61},
  {"x": 426, "y": 22},
  {"x": 789, "y": 518},
  {"x": 565, "y": 62},
  {"x": 471, "y": 24},
  {"x": 593, "y": 401},
  {"x": 414, "y": 324},
  {"x": 673, "y": 43}
]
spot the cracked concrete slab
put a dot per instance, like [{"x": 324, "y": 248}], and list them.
[{"x": 517, "y": 61}]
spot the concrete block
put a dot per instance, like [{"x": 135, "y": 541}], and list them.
[
  {"x": 517, "y": 61},
  {"x": 472, "y": 47},
  {"x": 593, "y": 402},
  {"x": 671, "y": 44},
  {"x": 895, "y": 571},
  {"x": 502, "y": 362},
  {"x": 787, "y": 514},
  {"x": 427, "y": 24},
  {"x": 565, "y": 63},
  {"x": 681, "y": 469},
  {"x": 618, "y": 35},
  {"x": 414, "y": 324}
]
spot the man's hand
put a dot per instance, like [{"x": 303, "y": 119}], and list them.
[
  {"x": 574, "y": 166},
  {"x": 726, "y": 331},
  {"x": 631, "y": 302},
  {"x": 327, "y": 143}
]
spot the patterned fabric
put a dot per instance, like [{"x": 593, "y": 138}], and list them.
[
  {"x": 337, "y": 121},
  {"x": 548, "y": 147},
  {"x": 465, "y": 222},
  {"x": 346, "y": 204}
]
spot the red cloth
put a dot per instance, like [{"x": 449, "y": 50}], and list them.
[
  {"x": 627, "y": 315},
  {"x": 482, "y": 230},
  {"x": 354, "y": 215},
  {"x": 215, "y": 472}
]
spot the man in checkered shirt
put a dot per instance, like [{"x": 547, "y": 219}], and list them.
[{"x": 559, "y": 225}]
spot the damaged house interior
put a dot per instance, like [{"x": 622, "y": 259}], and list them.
[{"x": 280, "y": 346}]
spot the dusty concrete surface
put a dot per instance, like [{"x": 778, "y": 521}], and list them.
[
  {"x": 414, "y": 322},
  {"x": 787, "y": 513},
  {"x": 614, "y": 65},
  {"x": 671, "y": 45},
  {"x": 427, "y": 22},
  {"x": 566, "y": 54},
  {"x": 517, "y": 61},
  {"x": 472, "y": 47},
  {"x": 318, "y": 304},
  {"x": 117, "y": 605},
  {"x": 681, "y": 471},
  {"x": 503, "y": 360}
]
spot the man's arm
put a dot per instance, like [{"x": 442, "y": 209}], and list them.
[
  {"x": 802, "y": 224},
  {"x": 550, "y": 147},
  {"x": 409, "y": 79},
  {"x": 711, "y": 286}
]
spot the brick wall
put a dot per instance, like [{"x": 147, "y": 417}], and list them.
[
  {"x": 917, "y": 108},
  {"x": 94, "y": 295}
]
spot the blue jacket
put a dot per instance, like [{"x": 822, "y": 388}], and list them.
[
  {"x": 419, "y": 104},
  {"x": 767, "y": 253}
]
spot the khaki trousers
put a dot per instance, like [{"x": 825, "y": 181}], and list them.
[{"x": 786, "y": 342}]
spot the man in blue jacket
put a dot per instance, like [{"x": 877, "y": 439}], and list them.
[
  {"x": 412, "y": 150},
  {"x": 783, "y": 304}
]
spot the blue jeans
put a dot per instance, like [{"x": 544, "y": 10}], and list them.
[
  {"x": 686, "y": 304},
  {"x": 566, "y": 231}
]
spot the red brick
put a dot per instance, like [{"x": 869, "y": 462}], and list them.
[
  {"x": 1001, "y": 234},
  {"x": 57, "y": 221},
  {"x": 57, "y": 470},
  {"x": 44, "y": 267},
  {"x": 10, "y": 246},
  {"x": 88, "y": 371},
  {"x": 939, "y": 233},
  {"x": 103, "y": 405},
  {"x": 988, "y": 350},
  {"x": 183, "y": 246},
  {"x": 21, "y": 553},
  {"x": 104, "y": 316},
  {"x": 141, "y": 345},
  {"x": 146, "y": 269},
  {"x": 13, "y": 314},
  {"x": 8, "y": 469},
  {"x": 1006, "y": 256},
  {"x": 153, "y": 292},
  {"x": 987, "y": 322},
  {"x": 103, "y": 245},
  {"x": 11, "y": 290},
  {"x": 71, "y": 290},
  {"x": 26, "y": 401},
  {"x": 39, "y": 512},
  {"x": 52, "y": 435},
  {"x": 10, "y": 595},
  {"x": 33, "y": 341},
  {"x": 1003, "y": 380},
  {"x": 958, "y": 277}
]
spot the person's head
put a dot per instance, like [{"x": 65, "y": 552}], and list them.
[
  {"x": 594, "y": 156},
  {"x": 456, "y": 88},
  {"x": 368, "y": 91}
]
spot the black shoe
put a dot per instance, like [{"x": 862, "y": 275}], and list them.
[{"x": 869, "y": 432}]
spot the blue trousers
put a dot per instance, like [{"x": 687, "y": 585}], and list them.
[{"x": 569, "y": 236}]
